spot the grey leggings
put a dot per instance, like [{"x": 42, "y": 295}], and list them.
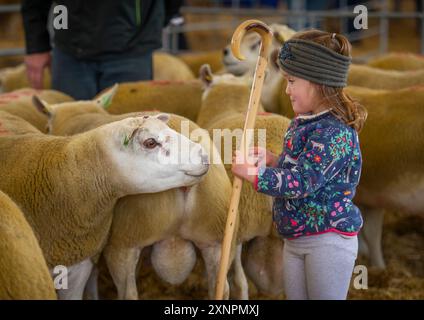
[{"x": 319, "y": 266}]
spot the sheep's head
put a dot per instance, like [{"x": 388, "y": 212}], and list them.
[
  {"x": 211, "y": 80},
  {"x": 62, "y": 112},
  {"x": 250, "y": 49},
  {"x": 152, "y": 157}
]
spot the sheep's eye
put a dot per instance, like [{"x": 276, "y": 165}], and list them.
[
  {"x": 150, "y": 143},
  {"x": 255, "y": 45}
]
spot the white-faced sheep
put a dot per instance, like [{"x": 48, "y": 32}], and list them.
[
  {"x": 250, "y": 49},
  {"x": 67, "y": 186},
  {"x": 171, "y": 221}
]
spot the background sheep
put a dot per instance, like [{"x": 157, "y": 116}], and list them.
[
  {"x": 19, "y": 103},
  {"x": 398, "y": 61},
  {"x": 230, "y": 92},
  {"x": 171, "y": 221},
  {"x": 392, "y": 149},
  {"x": 177, "y": 97},
  {"x": 165, "y": 67},
  {"x": 374, "y": 78},
  {"x": 196, "y": 60},
  {"x": 250, "y": 49},
  {"x": 23, "y": 269},
  {"x": 169, "y": 67},
  {"x": 67, "y": 187},
  {"x": 13, "y": 125},
  {"x": 15, "y": 78},
  {"x": 273, "y": 95}
]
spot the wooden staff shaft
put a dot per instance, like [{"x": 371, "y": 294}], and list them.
[{"x": 246, "y": 140}]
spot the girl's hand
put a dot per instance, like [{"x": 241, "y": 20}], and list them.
[
  {"x": 243, "y": 168},
  {"x": 265, "y": 158}
]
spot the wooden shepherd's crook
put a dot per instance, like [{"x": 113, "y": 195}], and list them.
[{"x": 255, "y": 95}]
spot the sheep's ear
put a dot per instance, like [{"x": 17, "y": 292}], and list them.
[
  {"x": 42, "y": 106},
  {"x": 105, "y": 99},
  {"x": 163, "y": 117},
  {"x": 205, "y": 74}
]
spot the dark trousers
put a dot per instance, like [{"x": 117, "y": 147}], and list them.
[{"x": 82, "y": 79}]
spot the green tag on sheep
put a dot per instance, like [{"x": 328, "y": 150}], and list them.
[
  {"x": 126, "y": 141},
  {"x": 106, "y": 101}
]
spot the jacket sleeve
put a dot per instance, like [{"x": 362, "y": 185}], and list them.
[
  {"x": 326, "y": 152},
  {"x": 35, "y": 15}
]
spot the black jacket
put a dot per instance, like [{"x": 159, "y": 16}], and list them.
[{"x": 98, "y": 29}]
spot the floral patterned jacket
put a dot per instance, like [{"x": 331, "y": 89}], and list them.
[{"x": 315, "y": 179}]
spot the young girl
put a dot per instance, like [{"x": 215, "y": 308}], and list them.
[{"x": 314, "y": 180}]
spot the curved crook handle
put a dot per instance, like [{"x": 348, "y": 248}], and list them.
[{"x": 248, "y": 26}]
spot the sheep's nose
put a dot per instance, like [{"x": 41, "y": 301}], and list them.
[
  {"x": 204, "y": 157},
  {"x": 225, "y": 51}
]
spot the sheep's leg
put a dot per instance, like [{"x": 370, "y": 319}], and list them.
[
  {"x": 77, "y": 276},
  {"x": 239, "y": 288},
  {"x": 122, "y": 264},
  {"x": 211, "y": 256},
  {"x": 91, "y": 288},
  {"x": 372, "y": 233}
]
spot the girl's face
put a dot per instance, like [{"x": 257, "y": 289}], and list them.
[{"x": 303, "y": 95}]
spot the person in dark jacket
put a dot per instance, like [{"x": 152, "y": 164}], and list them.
[{"x": 102, "y": 43}]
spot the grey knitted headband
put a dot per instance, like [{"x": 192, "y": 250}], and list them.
[{"x": 314, "y": 62}]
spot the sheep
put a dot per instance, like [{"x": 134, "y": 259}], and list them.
[
  {"x": 169, "y": 67},
  {"x": 67, "y": 186},
  {"x": 177, "y": 97},
  {"x": 13, "y": 125},
  {"x": 24, "y": 273},
  {"x": 229, "y": 90},
  {"x": 19, "y": 103},
  {"x": 15, "y": 78},
  {"x": 400, "y": 61},
  {"x": 165, "y": 67},
  {"x": 250, "y": 49},
  {"x": 374, "y": 78},
  {"x": 171, "y": 221},
  {"x": 392, "y": 175},
  {"x": 196, "y": 59},
  {"x": 359, "y": 75},
  {"x": 255, "y": 209}
]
